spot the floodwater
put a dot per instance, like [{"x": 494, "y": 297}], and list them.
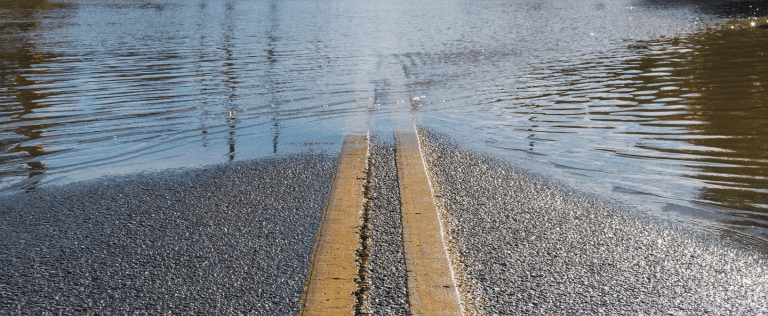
[{"x": 662, "y": 105}]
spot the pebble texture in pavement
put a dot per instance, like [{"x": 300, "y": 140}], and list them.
[
  {"x": 524, "y": 245},
  {"x": 227, "y": 240},
  {"x": 386, "y": 281},
  {"x": 237, "y": 239}
]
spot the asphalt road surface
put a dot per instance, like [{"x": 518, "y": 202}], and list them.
[{"x": 237, "y": 239}]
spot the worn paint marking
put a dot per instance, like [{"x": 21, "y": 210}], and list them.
[
  {"x": 431, "y": 289},
  {"x": 332, "y": 283}
]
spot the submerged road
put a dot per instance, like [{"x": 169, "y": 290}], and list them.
[{"x": 239, "y": 238}]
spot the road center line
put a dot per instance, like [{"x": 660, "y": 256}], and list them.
[
  {"x": 332, "y": 276},
  {"x": 431, "y": 289}
]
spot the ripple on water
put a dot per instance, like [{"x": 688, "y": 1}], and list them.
[{"x": 662, "y": 98}]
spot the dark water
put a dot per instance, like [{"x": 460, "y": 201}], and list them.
[{"x": 660, "y": 104}]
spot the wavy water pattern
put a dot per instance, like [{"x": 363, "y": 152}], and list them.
[
  {"x": 674, "y": 121},
  {"x": 660, "y": 104}
]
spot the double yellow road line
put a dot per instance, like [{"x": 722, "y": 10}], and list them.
[
  {"x": 334, "y": 270},
  {"x": 333, "y": 274}
]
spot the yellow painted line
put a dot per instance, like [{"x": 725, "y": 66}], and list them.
[
  {"x": 431, "y": 289},
  {"x": 334, "y": 270}
]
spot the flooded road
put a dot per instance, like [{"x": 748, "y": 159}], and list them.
[{"x": 661, "y": 105}]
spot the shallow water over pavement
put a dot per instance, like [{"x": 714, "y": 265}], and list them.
[{"x": 660, "y": 104}]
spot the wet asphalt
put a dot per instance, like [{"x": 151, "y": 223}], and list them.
[{"x": 237, "y": 239}]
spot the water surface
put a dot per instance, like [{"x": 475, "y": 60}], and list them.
[{"x": 660, "y": 104}]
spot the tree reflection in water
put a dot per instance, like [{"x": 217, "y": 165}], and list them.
[
  {"x": 721, "y": 76},
  {"x": 19, "y": 20}
]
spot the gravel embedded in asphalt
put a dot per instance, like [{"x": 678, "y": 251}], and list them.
[
  {"x": 386, "y": 279},
  {"x": 523, "y": 244},
  {"x": 229, "y": 239},
  {"x": 237, "y": 239}
]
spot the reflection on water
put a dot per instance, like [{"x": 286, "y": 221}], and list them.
[
  {"x": 167, "y": 84},
  {"x": 729, "y": 73},
  {"x": 720, "y": 75},
  {"x": 17, "y": 53},
  {"x": 662, "y": 104},
  {"x": 677, "y": 118}
]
